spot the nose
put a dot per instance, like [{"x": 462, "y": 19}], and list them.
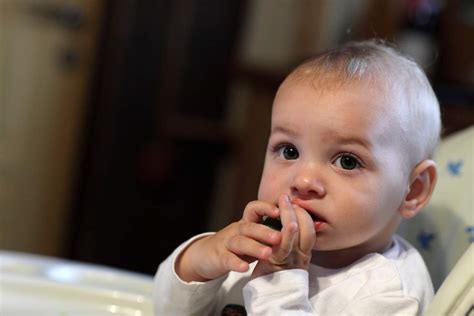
[{"x": 307, "y": 182}]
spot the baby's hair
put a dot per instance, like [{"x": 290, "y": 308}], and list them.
[{"x": 379, "y": 64}]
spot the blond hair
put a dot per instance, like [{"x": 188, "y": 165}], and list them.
[{"x": 378, "y": 63}]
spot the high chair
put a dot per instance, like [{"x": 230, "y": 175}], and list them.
[
  {"x": 444, "y": 231},
  {"x": 456, "y": 294}
]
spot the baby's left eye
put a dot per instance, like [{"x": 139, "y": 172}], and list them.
[
  {"x": 347, "y": 162},
  {"x": 290, "y": 152}
]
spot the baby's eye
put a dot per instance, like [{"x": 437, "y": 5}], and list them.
[
  {"x": 347, "y": 162},
  {"x": 288, "y": 152}
]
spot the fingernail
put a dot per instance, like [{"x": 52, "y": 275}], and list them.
[{"x": 287, "y": 199}]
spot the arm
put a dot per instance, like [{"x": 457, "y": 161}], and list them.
[
  {"x": 186, "y": 283},
  {"x": 201, "y": 266},
  {"x": 232, "y": 248},
  {"x": 377, "y": 291},
  {"x": 173, "y": 296},
  {"x": 279, "y": 293}
]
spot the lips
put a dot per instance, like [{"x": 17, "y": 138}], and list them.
[
  {"x": 318, "y": 220},
  {"x": 318, "y": 223}
]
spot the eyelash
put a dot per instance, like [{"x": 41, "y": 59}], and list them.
[
  {"x": 359, "y": 162},
  {"x": 276, "y": 149}
]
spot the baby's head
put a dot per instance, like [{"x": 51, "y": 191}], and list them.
[
  {"x": 373, "y": 64},
  {"x": 352, "y": 134}
]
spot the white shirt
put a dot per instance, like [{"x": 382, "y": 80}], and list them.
[{"x": 395, "y": 282}]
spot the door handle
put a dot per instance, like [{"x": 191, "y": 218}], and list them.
[{"x": 70, "y": 17}]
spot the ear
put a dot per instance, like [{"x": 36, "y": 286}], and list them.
[{"x": 422, "y": 184}]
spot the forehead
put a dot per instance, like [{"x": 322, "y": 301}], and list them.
[
  {"x": 347, "y": 109},
  {"x": 335, "y": 98}
]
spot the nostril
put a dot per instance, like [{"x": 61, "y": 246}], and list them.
[
  {"x": 308, "y": 183},
  {"x": 313, "y": 191}
]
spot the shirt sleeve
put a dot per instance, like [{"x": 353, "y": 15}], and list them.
[
  {"x": 173, "y": 296},
  {"x": 286, "y": 293},
  {"x": 280, "y": 293}
]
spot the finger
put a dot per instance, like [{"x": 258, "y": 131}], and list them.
[
  {"x": 290, "y": 227},
  {"x": 287, "y": 212},
  {"x": 258, "y": 232},
  {"x": 307, "y": 233},
  {"x": 232, "y": 262},
  {"x": 256, "y": 210},
  {"x": 244, "y": 246},
  {"x": 289, "y": 235}
]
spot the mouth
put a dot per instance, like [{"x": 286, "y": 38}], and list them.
[
  {"x": 315, "y": 218},
  {"x": 318, "y": 221}
]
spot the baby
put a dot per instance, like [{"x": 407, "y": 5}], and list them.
[{"x": 349, "y": 156}]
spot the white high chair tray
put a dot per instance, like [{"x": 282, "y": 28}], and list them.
[{"x": 37, "y": 285}]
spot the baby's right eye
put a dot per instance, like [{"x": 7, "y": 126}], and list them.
[{"x": 287, "y": 151}]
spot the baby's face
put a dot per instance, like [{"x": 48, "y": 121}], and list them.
[{"x": 338, "y": 155}]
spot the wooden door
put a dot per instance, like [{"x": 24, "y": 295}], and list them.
[{"x": 47, "y": 49}]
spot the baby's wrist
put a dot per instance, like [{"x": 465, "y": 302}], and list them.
[
  {"x": 265, "y": 267},
  {"x": 185, "y": 266}
]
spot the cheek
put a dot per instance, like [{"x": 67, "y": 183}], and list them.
[
  {"x": 360, "y": 207},
  {"x": 268, "y": 186},
  {"x": 368, "y": 203},
  {"x": 380, "y": 200}
]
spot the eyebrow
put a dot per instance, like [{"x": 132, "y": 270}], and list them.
[
  {"x": 348, "y": 139},
  {"x": 284, "y": 130},
  {"x": 332, "y": 134}
]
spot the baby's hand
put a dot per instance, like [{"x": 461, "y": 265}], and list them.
[
  {"x": 298, "y": 238},
  {"x": 232, "y": 248}
]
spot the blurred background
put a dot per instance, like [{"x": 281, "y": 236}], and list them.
[{"x": 128, "y": 126}]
